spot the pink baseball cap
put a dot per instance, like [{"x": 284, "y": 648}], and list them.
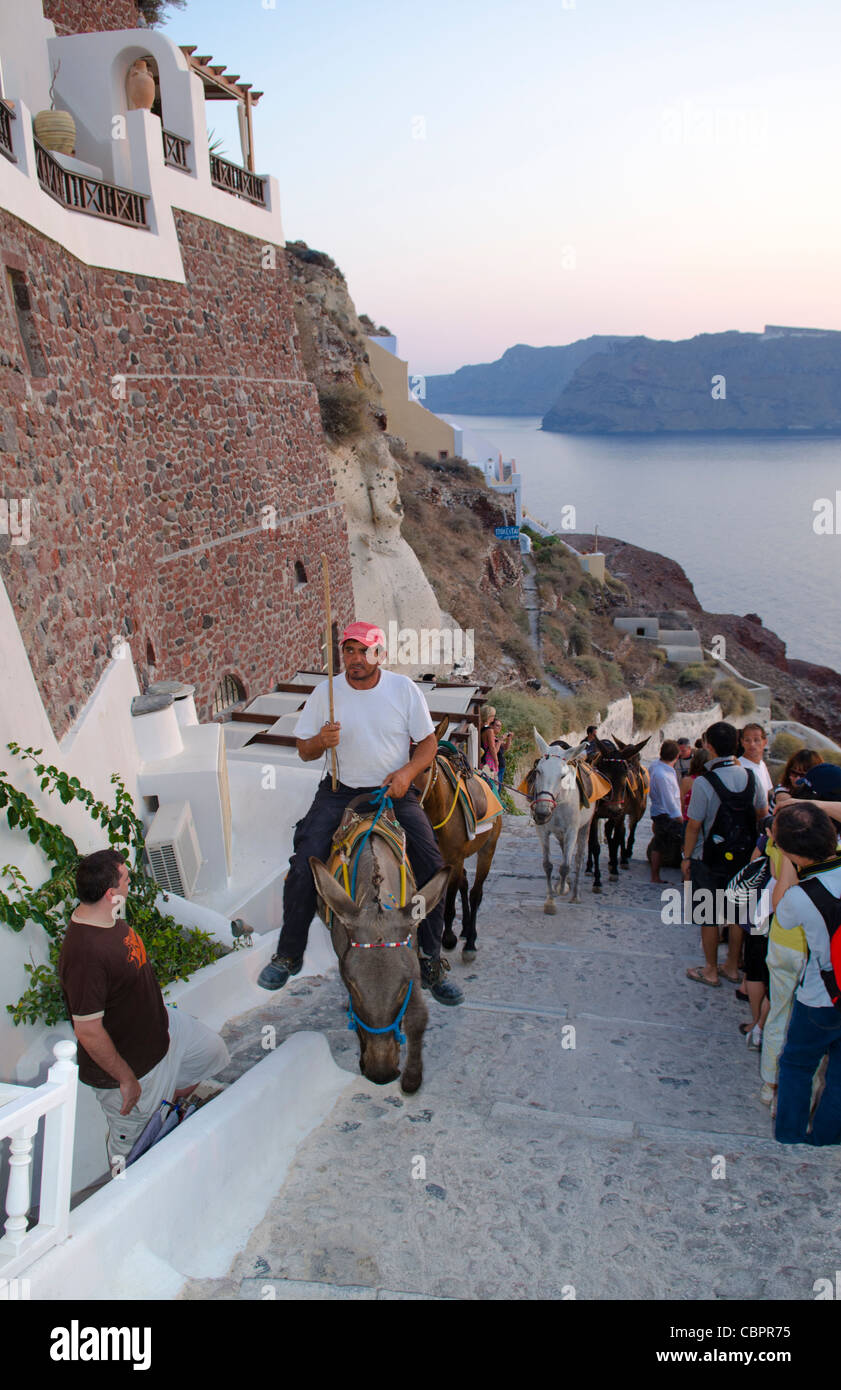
[{"x": 366, "y": 633}]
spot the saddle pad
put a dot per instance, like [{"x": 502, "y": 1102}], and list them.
[
  {"x": 638, "y": 777},
  {"x": 493, "y": 809},
  {"x": 470, "y": 794},
  {"x": 477, "y": 790},
  {"x": 347, "y": 843},
  {"x": 592, "y": 786}
]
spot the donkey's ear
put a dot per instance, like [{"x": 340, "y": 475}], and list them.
[
  {"x": 333, "y": 893},
  {"x": 430, "y": 895},
  {"x": 631, "y": 749},
  {"x": 576, "y": 752},
  {"x": 441, "y": 728},
  {"x": 542, "y": 745}
]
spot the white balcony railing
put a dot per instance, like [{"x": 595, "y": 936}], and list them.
[{"x": 21, "y": 1108}]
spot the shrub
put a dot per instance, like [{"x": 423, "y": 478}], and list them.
[
  {"x": 653, "y": 707},
  {"x": 590, "y": 667},
  {"x": 667, "y": 695},
  {"x": 522, "y": 651},
  {"x": 174, "y": 951},
  {"x": 343, "y": 411},
  {"x": 552, "y": 716},
  {"x": 579, "y": 640},
  {"x": 783, "y": 745},
  {"x": 612, "y": 675},
  {"x": 581, "y": 711},
  {"x": 734, "y": 698},
  {"x": 695, "y": 675}
]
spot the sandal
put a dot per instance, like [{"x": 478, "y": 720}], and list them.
[
  {"x": 695, "y": 973},
  {"x": 745, "y": 1028},
  {"x": 731, "y": 979}
]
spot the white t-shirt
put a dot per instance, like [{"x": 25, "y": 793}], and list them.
[
  {"x": 761, "y": 773},
  {"x": 377, "y": 725}
]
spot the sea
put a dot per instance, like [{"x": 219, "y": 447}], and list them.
[{"x": 743, "y": 516}]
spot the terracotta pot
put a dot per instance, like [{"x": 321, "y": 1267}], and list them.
[
  {"x": 140, "y": 87},
  {"x": 55, "y": 130}
]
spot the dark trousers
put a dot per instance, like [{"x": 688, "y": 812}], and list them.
[
  {"x": 314, "y": 836},
  {"x": 811, "y": 1034}
]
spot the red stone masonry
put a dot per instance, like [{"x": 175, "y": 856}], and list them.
[
  {"x": 147, "y": 495},
  {"x": 90, "y": 16}
]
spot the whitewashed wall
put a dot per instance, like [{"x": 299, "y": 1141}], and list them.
[{"x": 134, "y": 162}]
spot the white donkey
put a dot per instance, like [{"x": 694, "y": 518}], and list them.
[{"x": 556, "y": 810}]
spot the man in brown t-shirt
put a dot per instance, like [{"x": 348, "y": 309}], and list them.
[{"x": 132, "y": 1049}]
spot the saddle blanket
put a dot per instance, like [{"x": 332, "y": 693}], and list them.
[
  {"x": 347, "y": 844},
  {"x": 479, "y": 803}
]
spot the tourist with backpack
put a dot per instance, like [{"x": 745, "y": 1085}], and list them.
[
  {"x": 725, "y": 810},
  {"x": 808, "y": 895},
  {"x": 788, "y": 949}
]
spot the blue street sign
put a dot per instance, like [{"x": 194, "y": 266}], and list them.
[{"x": 507, "y": 533}]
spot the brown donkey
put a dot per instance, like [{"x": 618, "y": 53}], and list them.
[
  {"x": 619, "y": 763},
  {"x": 443, "y": 806}
]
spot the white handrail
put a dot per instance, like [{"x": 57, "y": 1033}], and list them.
[{"x": 56, "y": 1101}]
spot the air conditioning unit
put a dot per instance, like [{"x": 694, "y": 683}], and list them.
[{"x": 173, "y": 849}]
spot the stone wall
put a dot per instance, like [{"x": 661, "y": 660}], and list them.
[
  {"x": 149, "y": 497},
  {"x": 90, "y": 16}
]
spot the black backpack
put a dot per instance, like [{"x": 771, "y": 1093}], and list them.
[
  {"x": 830, "y": 909},
  {"x": 732, "y": 835}
]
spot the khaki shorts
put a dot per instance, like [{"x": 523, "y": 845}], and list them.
[{"x": 195, "y": 1053}]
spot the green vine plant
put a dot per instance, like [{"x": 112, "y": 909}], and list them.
[{"x": 174, "y": 951}]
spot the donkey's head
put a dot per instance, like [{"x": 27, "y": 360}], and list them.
[
  {"x": 554, "y": 778},
  {"x": 614, "y": 761},
  {"x": 377, "y": 949}
]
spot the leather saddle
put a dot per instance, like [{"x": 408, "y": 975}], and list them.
[
  {"x": 478, "y": 798},
  {"x": 347, "y": 845},
  {"x": 592, "y": 786}
]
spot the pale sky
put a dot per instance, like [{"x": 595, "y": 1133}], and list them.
[{"x": 492, "y": 172}]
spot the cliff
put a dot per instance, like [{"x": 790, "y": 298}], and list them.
[
  {"x": 801, "y": 689},
  {"x": 423, "y": 550},
  {"x": 448, "y": 569},
  {"x": 728, "y": 383},
  {"x": 523, "y": 381}
]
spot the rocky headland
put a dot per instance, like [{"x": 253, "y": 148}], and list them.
[
  {"x": 724, "y": 383},
  {"x": 523, "y": 381},
  {"x": 803, "y": 691},
  {"x": 781, "y": 380}
]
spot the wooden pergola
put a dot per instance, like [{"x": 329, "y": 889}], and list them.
[{"x": 219, "y": 86}]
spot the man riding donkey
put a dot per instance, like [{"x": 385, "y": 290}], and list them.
[{"x": 377, "y": 714}]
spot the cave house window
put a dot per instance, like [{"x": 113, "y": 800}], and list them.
[{"x": 229, "y": 692}]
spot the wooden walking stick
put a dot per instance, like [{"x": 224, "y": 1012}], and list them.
[{"x": 329, "y": 651}]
